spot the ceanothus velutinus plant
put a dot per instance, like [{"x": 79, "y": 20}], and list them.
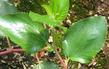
[{"x": 81, "y": 42}]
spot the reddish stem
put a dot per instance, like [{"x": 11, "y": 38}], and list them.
[
  {"x": 61, "y": 60},
  {"x": 11, "y": 51}
]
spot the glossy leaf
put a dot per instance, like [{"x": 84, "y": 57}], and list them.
[
  {"x": 46, "y": 65},
  {"x": 23, "y": 31},
  {"x": 6, "y": 8},
  {"x": 1, "y": 34},
  {"x": 85, "y": 39},
  {"x": 57, "y": 11},
  {"x": 43, "y": 19}
]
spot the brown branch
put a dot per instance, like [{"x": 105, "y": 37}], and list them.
[
  {"x": 36, "y": 56},
  {"x": 11, "y": 51},
  {"x": 61, "y": 60},
  {"x": 54, "y": 45}
]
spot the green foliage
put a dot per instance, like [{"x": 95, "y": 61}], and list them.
[
  {"x": 23, "y": 31},
  {"x": 57, "y": 38},
  {"x": 85, "y": 39},
  {"x": 57, "y": 11},
  {"x": 6, "y": 7},
  {"x": 82, "y": 41},
  {"x": 46, "y": 65},
  {"x": 42, "y": 18}
]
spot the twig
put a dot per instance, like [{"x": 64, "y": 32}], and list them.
[
  {"x": 54, "y": 45},
  {"x": 61, "y": 60},
  {"x": 11, "y": 51},
  {"x": 38, "y": 61},
  {"x": 8, "y": 41}
]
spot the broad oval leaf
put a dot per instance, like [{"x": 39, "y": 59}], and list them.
[
  {"x": 85, "y": 39},
  {"x": 57, "y": 11},
  {"x": 43, "y": 19},
  {"x": 23, "y": 31},
  {"x": 46, "y": 65},
  {"x": 6, "y": 8}
]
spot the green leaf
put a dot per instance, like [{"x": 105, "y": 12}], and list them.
[
  {"x": 85, "y": 39},
  {"x": 57, "y": 11},
  {"x": 43, "y": 19},
  {"x": 48, "y": 9},
  {"x": 57, "y": 38},
  {"x": 6, "y": 7},
  {"x": 23, "y": 31},
  {"x": 46, "y": 65},
  {"x": 1, "y": 34}
]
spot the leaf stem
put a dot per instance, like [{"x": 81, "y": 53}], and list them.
[
  {"x": 61, "y": 60},
  {"x": 36, "y": 56},
  {"x": 55, "y": 44}
]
